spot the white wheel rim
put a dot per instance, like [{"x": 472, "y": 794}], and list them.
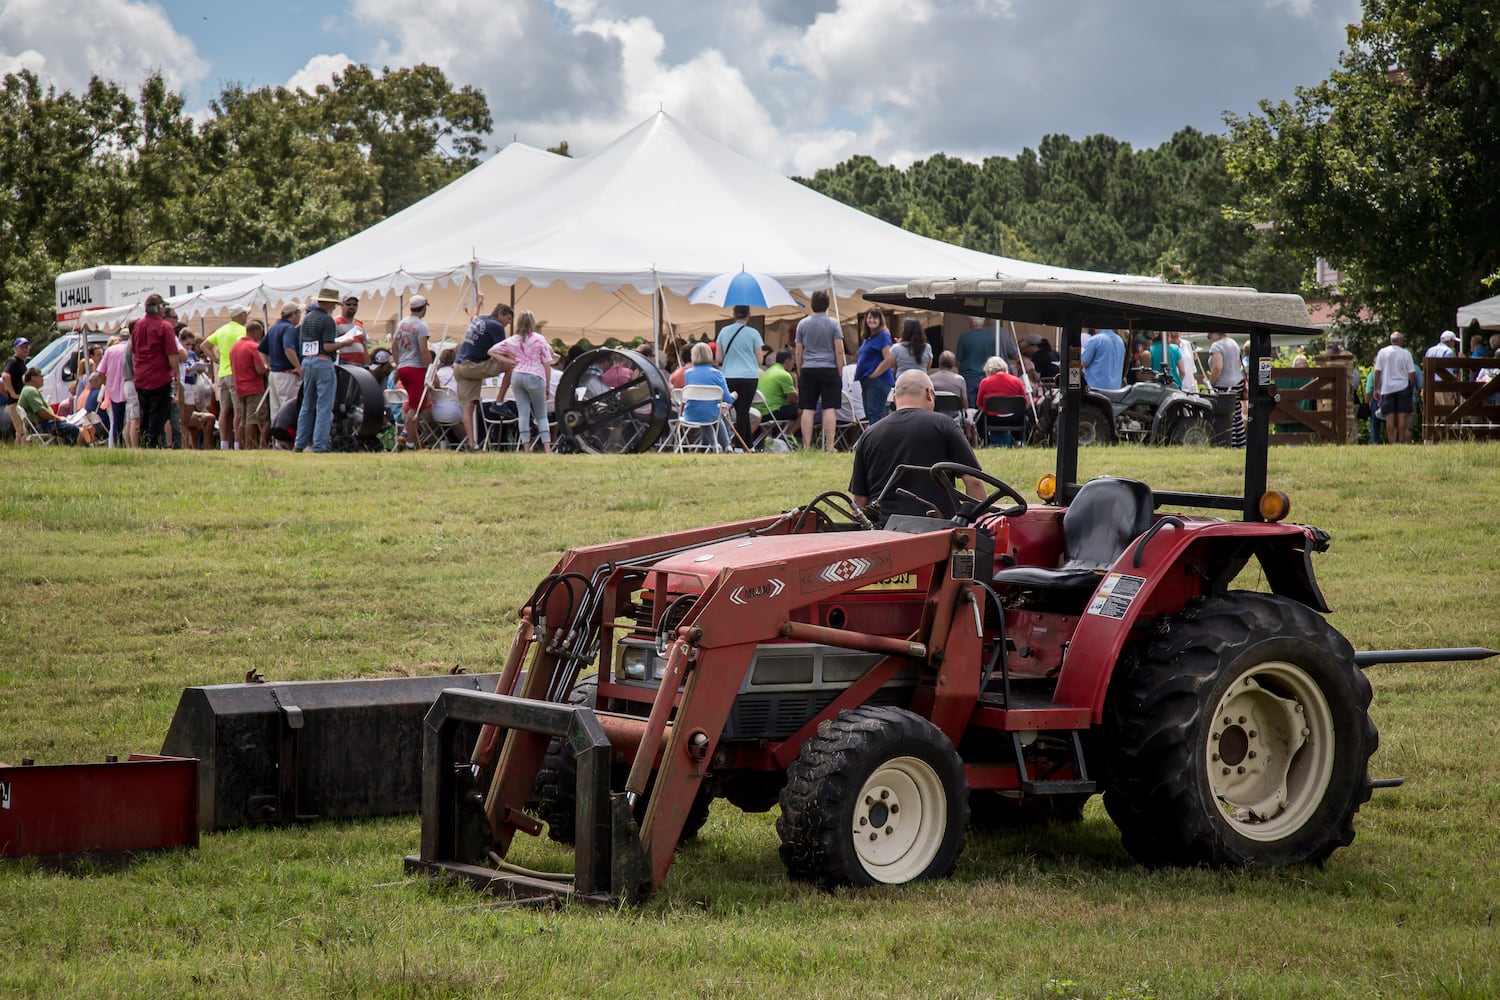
[
  {"x": 1270, "y": 751},
  {"x": 900, "y": 817}
]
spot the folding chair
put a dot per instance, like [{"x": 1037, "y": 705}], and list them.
[
  {"x": 447, "y": 433},
  {"x": 29, "y": 432},
  {"x": 693, "y": 394},
  {"x": 396, "y": 398},
  {"x": 501, "y": 431},
  {"x": 954, "y": 405},
  {"x": 848, "y": 431},
  {"x": 1005, "y": 415},
  {"x": 773, "y": 430}
]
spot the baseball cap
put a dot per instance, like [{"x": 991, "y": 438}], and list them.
[
  {"x": 290, "y": 308},
  {"x": 381, "y": 357},
  {"x": 239, "y": 309},
  {"x": 418, "y": 302},
  {"x": 1449, "y": 336},
  {"x": 22, "y": 342},
  {"x": 1033, "y": 341}
]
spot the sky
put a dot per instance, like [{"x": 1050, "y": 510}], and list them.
[{"x": 795, "y": 84}]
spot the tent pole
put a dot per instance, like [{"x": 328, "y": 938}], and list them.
[{"x": 656, "y": 305}]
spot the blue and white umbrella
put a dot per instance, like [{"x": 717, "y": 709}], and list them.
[{"x": 742, "y": 288}]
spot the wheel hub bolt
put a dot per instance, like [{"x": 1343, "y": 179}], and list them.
[
  {"x": 884, "y": 794},
  {"x": 889, "y": 830},
  {"x": 1253, "y": 734},
  {"x": 1242, "y": 720},
  {"x": 1241, "y": 769},
  {"x": 1216, "y": 757},
  {"x": 1252, "y": 754},
  {"x": 874, "y": 836},
  {"x": 1226, "y": 770},
  {"x": 895, "y": 808}
]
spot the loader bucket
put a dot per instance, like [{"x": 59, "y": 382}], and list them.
[{"x": 304, "y": 750}]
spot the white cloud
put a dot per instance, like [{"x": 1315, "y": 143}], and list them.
[
  {"x": 319, "y": 70},
  {"x": 68, "y": 41}
]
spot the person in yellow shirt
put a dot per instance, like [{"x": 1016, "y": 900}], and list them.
[{"x": 217, "y": 346}]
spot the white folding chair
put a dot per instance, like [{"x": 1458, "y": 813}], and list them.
[
  {"x": 396, "y": 397},
  {"x": 848, "y": 430},
  {"x": 686, "y": 426},
  {"x": 31, "y": 435},
  {"x": 773, "y": 430}
]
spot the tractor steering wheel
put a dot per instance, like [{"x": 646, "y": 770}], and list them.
[{"x": 968, "y": 508}]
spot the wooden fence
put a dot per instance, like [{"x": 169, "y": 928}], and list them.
[
  {"x": 1455, "y": 403},
  {"x": 1314, "y": 406}
]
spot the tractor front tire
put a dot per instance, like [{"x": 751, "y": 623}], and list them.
[
  {"x": 876, "y": 797},
  {"x": 1240, "y": 736},
  {"x": 556, "y": 787}
]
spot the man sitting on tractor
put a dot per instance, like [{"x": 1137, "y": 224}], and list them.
[{"x": 913, "y": 435}]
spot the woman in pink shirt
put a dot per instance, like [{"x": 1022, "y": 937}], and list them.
[{"x": 533, "y": 356}]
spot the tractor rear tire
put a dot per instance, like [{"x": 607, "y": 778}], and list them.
[
  {"x": 557, "y": 783},
  {"x": 876, "y": 797},
  {"x": 1240, "y": 736}
]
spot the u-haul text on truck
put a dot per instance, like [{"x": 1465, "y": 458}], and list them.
[{"x": 120, "y": 285}]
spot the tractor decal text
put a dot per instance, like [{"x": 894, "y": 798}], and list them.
[
  {"x": 740, "y": 595},
  {"x": 901, "y": 581},
  {"x": 1113, "y": 598},
  {"x": 843, "y": 571}
]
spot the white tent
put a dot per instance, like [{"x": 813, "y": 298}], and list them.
[
  {"x": 605, "y": 245},
  {"x": 1486, "y": 311}
]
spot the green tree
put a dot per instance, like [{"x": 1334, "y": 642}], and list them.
[{"x": 1390, "y": 168}]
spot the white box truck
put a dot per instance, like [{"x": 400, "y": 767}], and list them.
[{"x": 107, "y": 286}]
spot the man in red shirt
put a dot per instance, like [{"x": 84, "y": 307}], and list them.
[
  {"x": 157, "y": 354},
  {"x": 248, "y": 368}
]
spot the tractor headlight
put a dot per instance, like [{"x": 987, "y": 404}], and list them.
[{"x": 632, "y": 663}]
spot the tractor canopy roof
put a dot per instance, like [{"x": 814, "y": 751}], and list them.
[{"x": 1106, "y": 304}]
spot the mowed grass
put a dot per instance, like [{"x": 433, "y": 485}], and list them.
[{"x": 132, "y": 575}]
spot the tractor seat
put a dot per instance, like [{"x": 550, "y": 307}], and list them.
[{"x": 1106, "y": 515}]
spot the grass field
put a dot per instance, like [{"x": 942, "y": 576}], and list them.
[{"x": 132, "y": 575}]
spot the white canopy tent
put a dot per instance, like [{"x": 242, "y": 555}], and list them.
[
  {"x": 1485, "y": 311},
  {"x": 611, "y": 244}
]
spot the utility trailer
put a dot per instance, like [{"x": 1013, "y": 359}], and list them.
[{"x": 883, "y": 680}]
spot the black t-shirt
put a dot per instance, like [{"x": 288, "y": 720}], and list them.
[
  {"x": 1045, "y": 360},
  {"x": 17, "y": 371},
  {"x": 910, "y": 436}
]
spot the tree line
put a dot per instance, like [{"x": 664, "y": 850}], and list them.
[{"x": 1389, "y": 170}]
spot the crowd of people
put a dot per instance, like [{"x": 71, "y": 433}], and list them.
[{"x": 156, "y": 384}]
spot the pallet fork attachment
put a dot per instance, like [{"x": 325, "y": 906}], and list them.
[{"x": 610, "y": 862}]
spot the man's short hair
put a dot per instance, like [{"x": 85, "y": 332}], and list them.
[
  {"x": 947, "y": 360},
  {"x": 30, "y": 374},
  {"x": 255, "y": 325},
  {"x": 819, "y": 301},
  {"x": 783, "y": 356},
  {"x": 977, "y": 321},
  {"x": 1397, "y": 337},
  {"x": 741, "y": 312},
  {"x": 913, "y": 382}
]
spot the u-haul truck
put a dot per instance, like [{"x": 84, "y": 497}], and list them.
[{"x": 119, "y": 285}]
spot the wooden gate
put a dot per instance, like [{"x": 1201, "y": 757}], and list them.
[
  {"x": 1455, "y": 403},
  {"x": 1312, "y": 405}
]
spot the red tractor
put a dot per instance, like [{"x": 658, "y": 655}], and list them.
[{"x": 882, "y": 680}]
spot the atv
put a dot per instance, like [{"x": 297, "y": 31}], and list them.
[{"x": 1150, "y": 410}]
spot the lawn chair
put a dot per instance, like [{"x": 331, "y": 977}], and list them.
[
  {"x": 773, "y": 430},
  {"x": 29, "y": 433},
  {"x": 686, "y": 427},
  {"x": 1005, "y": 420}
]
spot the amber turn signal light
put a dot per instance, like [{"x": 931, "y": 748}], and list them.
[
  {"x": 1046, "y": 487},
  {"x": 1275, "y": 505}
]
